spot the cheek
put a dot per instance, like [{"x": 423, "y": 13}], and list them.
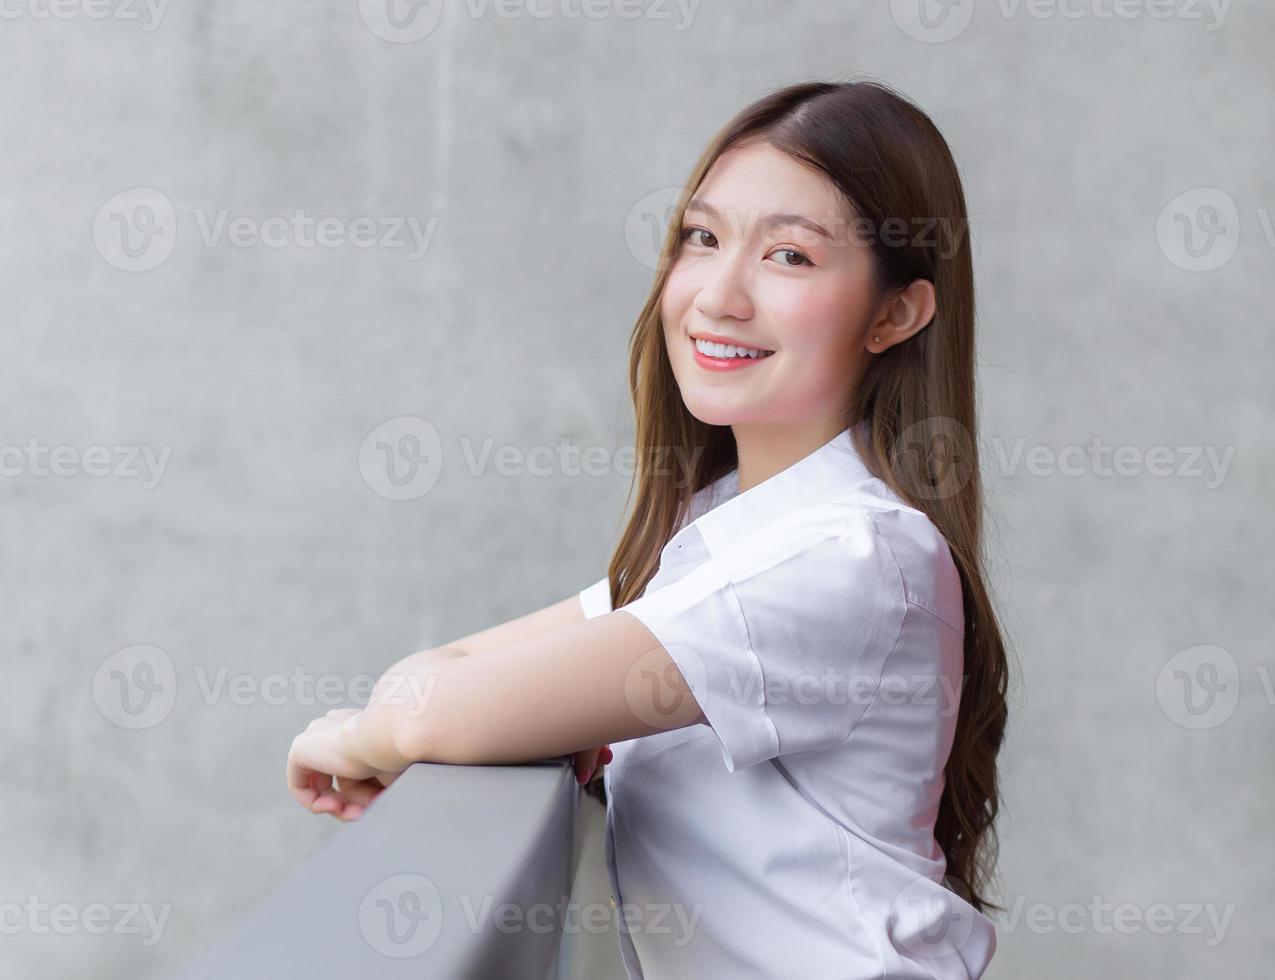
[
  {"x": 814, "y": 321},
  {"x": 675, "y": 306},
  {"x": 676, "y": 298}
]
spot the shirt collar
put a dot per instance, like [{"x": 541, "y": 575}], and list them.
[{"x": 726, "y": 516}]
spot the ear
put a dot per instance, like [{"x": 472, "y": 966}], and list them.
[{"x": 899, "y": 317}]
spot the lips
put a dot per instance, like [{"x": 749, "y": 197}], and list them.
[
  {"x": 733, "y": 363},
  {"x": 753, "y": 350}
]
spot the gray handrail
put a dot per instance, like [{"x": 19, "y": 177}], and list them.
[{"x": 454, "y": 872}]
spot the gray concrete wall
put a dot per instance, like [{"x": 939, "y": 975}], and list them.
[{"x": 263, "y": 560}]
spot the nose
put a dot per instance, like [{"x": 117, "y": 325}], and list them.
[{"x": 724, "y": 289}]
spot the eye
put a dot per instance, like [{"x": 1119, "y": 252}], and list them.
[
  {"x": 687, "y": 232},
  {"x": 792, "y": 251},
  {"x": 690, "y": 230}
]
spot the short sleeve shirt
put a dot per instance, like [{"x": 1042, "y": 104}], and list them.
[{"x": 818, "y": 620}]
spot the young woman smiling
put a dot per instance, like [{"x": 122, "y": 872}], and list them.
[{"x": 795, "y": 659}]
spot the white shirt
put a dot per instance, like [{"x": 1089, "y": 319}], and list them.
[{"x": 817, "y": 619}]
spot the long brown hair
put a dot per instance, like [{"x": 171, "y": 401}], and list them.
[{"x": 888, "y": 160}]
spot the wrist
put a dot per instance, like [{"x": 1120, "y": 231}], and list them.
[{"x": 363, "y": 738}]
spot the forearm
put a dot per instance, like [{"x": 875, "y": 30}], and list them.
[
  {"x": 403, "y": 727},
  {"x": 425, "y": 656}
]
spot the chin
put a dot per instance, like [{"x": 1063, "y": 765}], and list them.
[{"x": 712, "y": 412}]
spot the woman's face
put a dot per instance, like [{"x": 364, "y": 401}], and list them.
[{"x": 772, "y": 284}]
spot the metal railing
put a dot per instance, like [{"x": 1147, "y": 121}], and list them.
[{"x": 454, "y": 872}]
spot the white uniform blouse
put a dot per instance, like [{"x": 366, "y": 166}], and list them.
[{"x": 818, "y": 621}]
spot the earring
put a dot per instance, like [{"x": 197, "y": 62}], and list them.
[{"x": 876, "y": 340}]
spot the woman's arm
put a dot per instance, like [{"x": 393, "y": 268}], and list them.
[
  {"x": 600, "y": 680},
  {"x": 313, "y": 785},
  {"x": 565, "y": 612},
  {"x": 591, "y": 682}
]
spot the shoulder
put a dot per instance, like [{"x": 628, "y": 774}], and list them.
[
  {"x": 819, "y": 559},
  {"x": 837, "y": 551},
  {"x": 927, "y": 567}
]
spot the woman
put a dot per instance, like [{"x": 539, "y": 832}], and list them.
[{"x": 795, "y": 654}]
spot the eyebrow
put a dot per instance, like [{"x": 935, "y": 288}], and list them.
[{"x": 696, "y": 204}]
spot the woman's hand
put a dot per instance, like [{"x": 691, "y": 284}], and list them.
[
  {"x": 587, "y": 761},
  {"x": 324, "y": 778}
]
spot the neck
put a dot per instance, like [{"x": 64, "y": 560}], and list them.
[{"x": 764, "y": 450}]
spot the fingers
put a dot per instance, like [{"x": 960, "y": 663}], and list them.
[
  {"x": 585, "y": 761},
  {"x": 329, "y": 799},
  {"x": 360, "y": 792},
  {"x": 357, "y": 795},
  {"x": 341, "y": 797},
  {"x": 301, "y": 789},
  {"x": 604, "y": 757},
  {"x": 302, "y": 784},
  {"x": 588, "y": 761},
  {"x": 314, "y": 791}
]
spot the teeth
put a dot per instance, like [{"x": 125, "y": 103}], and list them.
[{"x": 729, "y": 350}]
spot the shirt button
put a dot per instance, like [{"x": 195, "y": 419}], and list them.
[{"x": 612, "y": 901}]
